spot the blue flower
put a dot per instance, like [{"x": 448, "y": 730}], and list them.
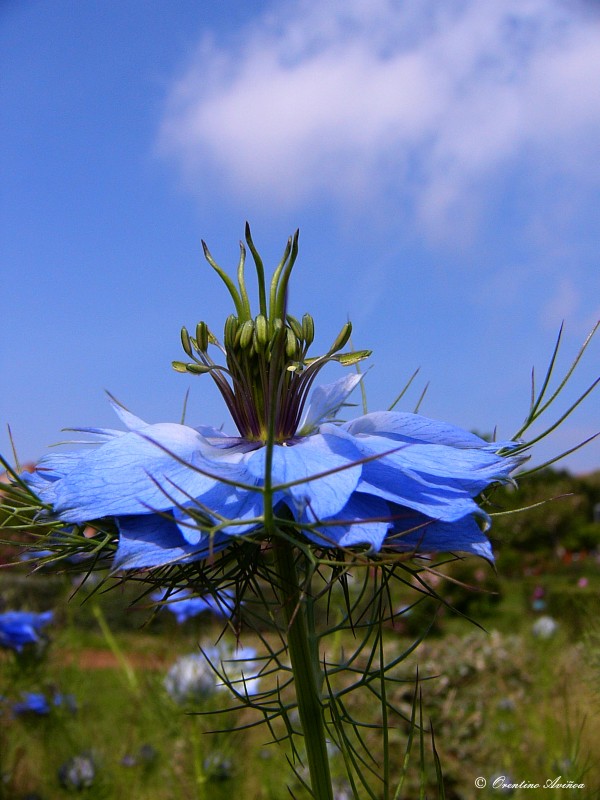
[
  {"x": 19, "y": 628},
  {"x": 184, "y": 605},
  {"x": 544, "y": 627},
  {"x": 388, "y": 479},
  {"x": 32, "y": 703},
  {"x": 215, "y": 669},
  {"x": 190, "y": 678},
  {"x": 78, "y": 772},
  {"x": 67, "y": 701},
  {"x": 145, "y": 756},
  {"x": 218, "y": 766}
]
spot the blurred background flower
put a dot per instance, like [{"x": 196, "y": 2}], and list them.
[
  {"x": 20, "y": 628},
  {"x": 78, "y": 773},
  {"x": 544, "y": 627},
  {"x": 184, "y": 605},
  {"x": 215, "y": 669}
]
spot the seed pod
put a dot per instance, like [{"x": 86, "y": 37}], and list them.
[
  {"x": 186, "y": 342},
  {"x": 202, "y": 336},
  {"x": 342, "y": 338},
  {"x": 291, "y": 344},
  {"x": 246, "y": 332},
  {"x": 231, "y": 329},
  {"x": 262, "y": 331},
  {"x": 349, "y": 359},
  {"x": 197, "y": 369},
  {"x": 308, "y": 329}
]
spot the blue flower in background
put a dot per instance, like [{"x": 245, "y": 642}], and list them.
[
  {"x": 178, "y": 493},
  {"x": 32, "y": 703},
  {"x": 191, "y": 678},
  {"x": 544, "y": 627},
  {"x": 184, "y": 605},
  {"x": 218, "y": 766},
  {"x": 35, "y": 555},
  {"x": 39, "y": 703},
  {"x": 145, "y": 756},
  {"x": 20, "y": 628},
  {"x": 77, "y": 773},
  {"x": 66, "y": 701},
  {"x": 217, "y": 668}
]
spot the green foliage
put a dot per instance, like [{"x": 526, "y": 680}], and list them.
[
  {"x": 499, "y": 703},
  {"x": 505, "y": 704},
  {"x": 557, "y": 513},
  {"x": 578, "y": 607}
]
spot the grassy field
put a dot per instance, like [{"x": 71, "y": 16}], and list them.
[{"x": 502, "y": 702}]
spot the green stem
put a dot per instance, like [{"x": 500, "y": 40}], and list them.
[
  {"x": 306, "y": 681},
  {"x": 197, "y": 760},
  {"x": 301, "y": 642},
  {"x": 116, "y": 650}
]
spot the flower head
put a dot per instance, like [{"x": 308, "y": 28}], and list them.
[
  {"x": 183, "y": 605},
  {"x": 32, "y": 703},
  {"x": 78, "y": 772},
  {"x": 176, "y": 493},
  {"x": 544, "y": 627},
  {"x": 218, "y": 766},
  {"x": 20, "y": 628},
  {"x": 214, "y": 669},
  {"x": 190, "y": 678}
]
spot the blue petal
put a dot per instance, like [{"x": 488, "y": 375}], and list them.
[
  {"x": 364, "y": 520},
  {"x": 235, "y": 513},
  {"x": 209, "y": 432},
  {"x": 437, "y": 480},
  {"x": 151, "y": 540},
  {"x": 326, "y": 401},
  {"x": 184, "y": 605},
  {"x": 128, "y": 419},
  {"x": 137, "y": 473},
  {"x": 415, "y": 532},
  {"x": 413, "y": 428},
  {"x": 51, "y": 468},
  {"x": 298, "y": 463}
]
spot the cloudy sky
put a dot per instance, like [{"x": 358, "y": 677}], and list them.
[{"x": 441, "y": 159}]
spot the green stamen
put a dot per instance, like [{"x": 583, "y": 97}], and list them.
[{"x": 267, "y": 375}]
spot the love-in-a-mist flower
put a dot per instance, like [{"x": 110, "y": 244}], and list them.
[
  {"x": 184, "y": 605},
  {"x": 385, "y": 479},
  {"x": 20, "y": 628},
  {"x": 78, "y": 773},
  {"x": 32, "y": 703},
  {"x": 216, "y": 668}
]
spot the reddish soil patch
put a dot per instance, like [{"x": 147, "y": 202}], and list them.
[{"x": 104, "y": 659}]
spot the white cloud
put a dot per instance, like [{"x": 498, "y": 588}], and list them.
[{"x": 432, "y": 100}]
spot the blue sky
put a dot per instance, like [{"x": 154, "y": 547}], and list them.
[{"x": 441, "y": 158}]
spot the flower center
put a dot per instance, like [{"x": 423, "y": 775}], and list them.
[{"x": 267, "y": 374}]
